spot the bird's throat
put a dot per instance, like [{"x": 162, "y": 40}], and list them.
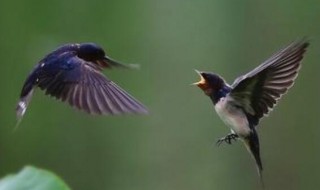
[{"x": 208, "y": 91}]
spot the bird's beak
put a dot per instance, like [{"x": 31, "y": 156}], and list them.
[
  {"x": 202, "y": 81},
  {"x": 110, "y": 62},
  {"x": 105, "y": 62},
  {"x": 113, "y": 63}
]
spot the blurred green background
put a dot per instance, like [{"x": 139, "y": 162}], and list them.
[{"x": 173, "y": 147}]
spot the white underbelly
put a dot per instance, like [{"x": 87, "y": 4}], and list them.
[{"x": 233, "y": 117}]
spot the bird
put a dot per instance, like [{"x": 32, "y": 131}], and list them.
[
  {"x": 73, "y": 74},
  {"x": 253, "y": 95}
]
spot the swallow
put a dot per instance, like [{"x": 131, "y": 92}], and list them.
[
  {"x": 73, "y": 74},
  {"x": 253, "y": 95}
]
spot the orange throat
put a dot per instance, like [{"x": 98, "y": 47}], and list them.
[{"x": 203, "y": 84}]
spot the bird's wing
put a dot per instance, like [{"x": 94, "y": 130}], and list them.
[
  {"x": 83, "y": 86},
  {"x": 257, "y": 92}
]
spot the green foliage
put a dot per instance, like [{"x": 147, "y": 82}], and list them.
[{"x": 31, "y": 178}]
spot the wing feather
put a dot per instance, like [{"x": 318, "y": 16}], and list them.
[
  {"x": 264, "y": 85},
  {"x": 86, "y": 88}
]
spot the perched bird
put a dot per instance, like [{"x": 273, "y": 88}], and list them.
[
  {"x": 72, "y": 73},
  {"x": 253, "y": 95}
]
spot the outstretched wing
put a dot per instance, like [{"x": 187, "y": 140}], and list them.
[
  {"x": 83, "y": 86},
  {"x": 258, "y": 91}
]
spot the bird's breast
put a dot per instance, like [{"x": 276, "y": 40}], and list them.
[{"x": 233, "y": 116}]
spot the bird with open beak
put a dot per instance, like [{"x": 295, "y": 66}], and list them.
[
  {"x": 72, "y": 74},
  {"x": 253, "y": 95}
]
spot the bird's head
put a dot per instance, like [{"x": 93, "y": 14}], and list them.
[
  {"x": 94, "y": 53},
  {"x": 209, "y": 82},
  {"x": 91, "y": 52}
]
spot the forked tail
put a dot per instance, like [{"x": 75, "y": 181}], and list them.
[
  {"x": 252, "y": 144},
  {"x": 26, "y": 95},
  {"x": 22, "y": 106}
]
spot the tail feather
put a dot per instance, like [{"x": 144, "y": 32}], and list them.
[
  {"x": 26, "y": 94},
  {"x": 23, "y": 105},
  {"x": 252, "y": 144}
]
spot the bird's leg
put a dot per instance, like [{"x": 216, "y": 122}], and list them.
[{"x": 228, "y": 138}]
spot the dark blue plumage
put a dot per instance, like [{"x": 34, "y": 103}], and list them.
[
  {"x": 253, "y": 95},
  {"x": 72, "y": 73},
  {"x": 217, "y": 89}
]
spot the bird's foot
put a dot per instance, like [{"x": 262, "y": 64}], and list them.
[{"x": 228, "y": 139}]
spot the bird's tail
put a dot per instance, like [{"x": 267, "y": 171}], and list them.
[
  {"x": 22, "y": 106},
  {"x": 252, "y": 144}
]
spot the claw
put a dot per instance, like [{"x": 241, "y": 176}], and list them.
[
  {"x": 218, "y": 143},
  {"x": 228, "y": 139}
]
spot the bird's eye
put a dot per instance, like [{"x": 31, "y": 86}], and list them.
[{"x": 204, "y": 75}]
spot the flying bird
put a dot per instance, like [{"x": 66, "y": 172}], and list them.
[
  {"x": 73, "y": 74},
  {"x": 253, "y": 95}
]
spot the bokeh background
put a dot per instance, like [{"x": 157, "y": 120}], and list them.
[{"x": 173, "y": 147}]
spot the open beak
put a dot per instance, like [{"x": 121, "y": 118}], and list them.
[
  {"x": 111, "y": 63},
  {"x": 108, "y": 62},
  {"x": 105, "y": 63},
  {"x": 202, "y": 81}
]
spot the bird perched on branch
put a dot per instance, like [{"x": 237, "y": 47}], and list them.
[
  {"x": 253, "y": 95},
  {"x": 72, "y": 74}
]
